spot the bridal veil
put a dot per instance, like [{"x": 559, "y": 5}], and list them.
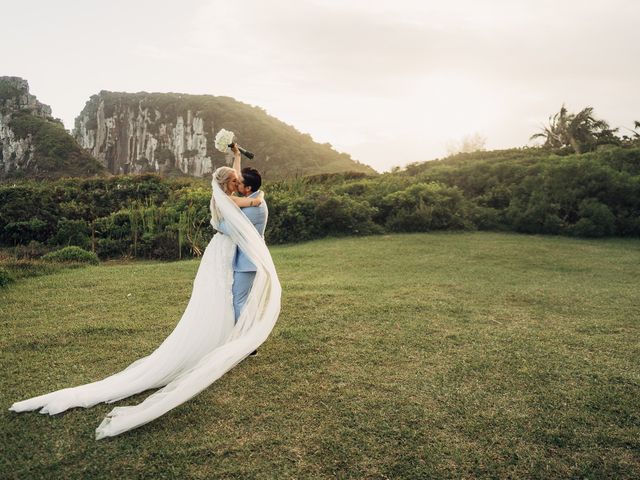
[{"x": 203, "y": 346}]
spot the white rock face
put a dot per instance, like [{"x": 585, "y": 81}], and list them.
[
  {"x": 23, "y": 100},
  {"x": 17, "y": 153},
  {"x": 136, "y": 139}
]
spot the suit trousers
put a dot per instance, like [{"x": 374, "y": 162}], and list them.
[{"x": 242, "y": 282}]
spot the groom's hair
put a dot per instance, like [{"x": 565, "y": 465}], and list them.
[{"x": 251, "y": 178}]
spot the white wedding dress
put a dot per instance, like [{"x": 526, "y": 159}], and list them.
[{"x": 205, "y": 343}]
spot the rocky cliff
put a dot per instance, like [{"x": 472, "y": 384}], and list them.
[
  {"x": 17, "y": 152},
  {"x": 32, "y": 143},
  {"x": 174, "y": 133}
]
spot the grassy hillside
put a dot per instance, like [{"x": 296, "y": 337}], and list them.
[
  {"x": 56, "y": 153},
  {"x": 32, "y": 143},
  {"x": 281, "y": 150},
  {"x": 403, "y": 356}
]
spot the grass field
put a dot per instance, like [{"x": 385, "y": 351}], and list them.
[{"x": 468, "y": 355}]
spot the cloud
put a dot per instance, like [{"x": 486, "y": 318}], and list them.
[
  {"x": 362, "y": 75},
  {"x": 381, "y": 47}
]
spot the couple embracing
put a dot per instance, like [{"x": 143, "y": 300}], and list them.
[
  {"x": 245, "y": 185},
  {"x": 234, "y": 305}
]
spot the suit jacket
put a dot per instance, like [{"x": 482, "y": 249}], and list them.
[{"x": 258, "y": 217}]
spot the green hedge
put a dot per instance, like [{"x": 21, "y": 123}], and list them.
[{"x": 524, "y": 190}]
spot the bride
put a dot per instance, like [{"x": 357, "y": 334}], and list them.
[{"x": 205, "y": 343}]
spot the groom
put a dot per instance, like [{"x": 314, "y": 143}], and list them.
[{"x": 244, "y": 271}]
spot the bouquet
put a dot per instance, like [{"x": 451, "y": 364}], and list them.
[{"x": 224, "y": 141}]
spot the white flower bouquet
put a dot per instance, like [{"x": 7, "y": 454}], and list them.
[{"x": 224, "y": 141}]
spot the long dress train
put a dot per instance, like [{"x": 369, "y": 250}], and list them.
[{"x": 203, "y": 346}]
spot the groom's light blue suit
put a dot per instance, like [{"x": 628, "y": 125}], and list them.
[{"x": 244, "y": 271}]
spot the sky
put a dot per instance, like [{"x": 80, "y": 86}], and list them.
[{"x": 389, "y": 82}]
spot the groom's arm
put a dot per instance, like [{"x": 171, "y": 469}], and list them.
[{"x": 257, "y": 217}]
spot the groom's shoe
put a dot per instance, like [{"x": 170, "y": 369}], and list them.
[{"x": 255, "y": 352}]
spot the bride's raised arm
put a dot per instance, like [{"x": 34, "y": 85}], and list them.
[
  {"x": 236, "y": 160},
  {"x": 243, "y": 202}
]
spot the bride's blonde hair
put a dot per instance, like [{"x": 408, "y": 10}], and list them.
[{"x": 221, "y": 177}]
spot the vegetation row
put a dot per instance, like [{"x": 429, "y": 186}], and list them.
[{"x": 531, "y": 190}]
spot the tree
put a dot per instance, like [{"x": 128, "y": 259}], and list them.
[
  {"x": 468, "y": 144},
  {"x": 582, "y": 131},
  {"x": 586, "y": 131},
  {"x": 634, "y": 139},
  {"x": 555, "y": 134}
]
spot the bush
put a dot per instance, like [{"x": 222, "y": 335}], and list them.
[
  {"x": 72, "y": 232},
  {"x": 339, "y": 215},
  {"x": 164, "y": 246},
  {"x": 23, "y": 232},
  {"x": 5, "y": 277},
  {"x": 423, "y": 207},
  {"x": 485, "y": 218},
  {"x": 536, "y": 214},
  {"x": 32, "y": 250},
  {"x": 109, "y": 248},
  {"x": 291, "y": 219},
  {"x": 72, "y": 254},
  {"x": 596, "y": 220}
]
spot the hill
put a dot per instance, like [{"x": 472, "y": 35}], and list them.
[
  {"x": 32, "y": 143},
  {"x": 173, "y": 133}
]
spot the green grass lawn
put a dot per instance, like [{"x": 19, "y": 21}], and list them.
[{"x": 405, "y": 356}]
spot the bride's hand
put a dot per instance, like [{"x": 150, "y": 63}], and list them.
[
  {"x": 244, "y": 202},
  {"x": 258, "y": 199}
]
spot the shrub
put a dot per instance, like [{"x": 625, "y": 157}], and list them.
[
  {"x": 33, "y": 250},
  {"x": 164, "y": 246},
  {"x": 109, "y": 247},
  {"x": 596, "y": 220},
  {"x": 291, "y": 219},
  {"x": 423, "y": 207},
  {"x": 339, "y": 215},
  {"x": 23, "y": 232},
  {"x": 72, "y": 254},
  {"x": 5, "y": 277},
  {"x": 72, "y": 232},
  {"x": 535, "y": 214},
  {"x": 485, "y": 218}
]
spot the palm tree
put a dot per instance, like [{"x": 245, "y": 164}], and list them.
[
  {"x": 586, "y": 131},
  {"x": 555, "y": 133},
  {"x": 581, "y": 131},
  {"x": 635, "y": 138}
]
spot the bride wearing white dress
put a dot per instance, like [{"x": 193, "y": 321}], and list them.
[{"x": 205, "y": 343}]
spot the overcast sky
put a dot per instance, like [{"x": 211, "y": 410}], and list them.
[{"x": 387, "y": 81}]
